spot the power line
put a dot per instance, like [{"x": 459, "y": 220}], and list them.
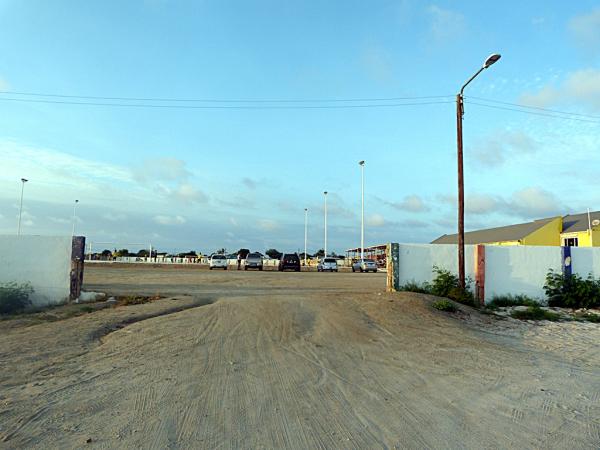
[
  {"x": 149, "y": 105},
  {"x": 212, "y": 100},
  {"x": 535, "y": 107},
  {"x": 554, "y": 116}
]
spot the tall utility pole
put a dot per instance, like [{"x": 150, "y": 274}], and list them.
[
  {"x": 362, "y": 209},
  {"x": 74, "y": 217},
  {"x": 461, "y": 187},
  {"x": 325, "y": 249},
  {"x": 23, "y": 181},
  {"x": 305, "y": 232}
]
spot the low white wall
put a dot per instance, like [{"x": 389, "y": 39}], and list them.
[
  {"x": 513, "y": 270},
  {"x": 585, "y": 261},
  {"x": 43, "y": 261},
  {"x": 416, "y": 261}
]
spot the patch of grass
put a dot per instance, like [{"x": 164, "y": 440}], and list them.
[
  {"x": 444, "y": 305},
  {"x": 588, "y": 317},
  {"x": 87, "y": 309},
  {"x": 413, "y": 286},
  {"x": 511, "y": 300},
  {"x": 135, "y": 299},
  {"x": 14, "y": 297},
  {"x": 535, "y": 313}
]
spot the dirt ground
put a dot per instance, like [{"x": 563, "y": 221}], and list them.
[{"x": 294, "y": 360}]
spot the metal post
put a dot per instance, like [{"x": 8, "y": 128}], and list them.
[
  {"x": 325, "y": 249},
  {"x": 305, "y": 232},
  {"x": 461, "y": 192}
]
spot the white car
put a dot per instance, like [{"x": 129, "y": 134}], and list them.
[
  {"x": 327, "y": 265},
  {"x": 218, "y": 262},
  {"x": 364, "y": 265}
]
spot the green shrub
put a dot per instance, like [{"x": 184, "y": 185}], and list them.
[
  {"x": 572, "y": 291},
  {"x": 413, "y": 286},
  {"x": 535, "y": 313},
  {"x": 446, "y": 284},
  {"x": 14, "y": 297},
  {"x": 511, "y": 300},
  {"x": 444, "y": 305}
]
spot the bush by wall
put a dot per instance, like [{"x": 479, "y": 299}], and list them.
[
  {"x": 14, "y": 297},
  {"x": 572, "y": 291},
  {"x": 444, "y": 284}
]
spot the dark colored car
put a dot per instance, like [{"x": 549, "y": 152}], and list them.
[{"x": 289, "y": 261}]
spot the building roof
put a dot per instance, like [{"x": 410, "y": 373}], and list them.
[
  {"x": 498, "y": 234},
  {"x": 578, "y": 222}
]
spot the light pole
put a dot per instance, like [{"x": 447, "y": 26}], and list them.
[
  {"x": 325, "y": 249},
  {"x": 23, "y": 181},
  {"x": 74, "y": 217},
  {"x": 362, "y": 209},
  {"x": 461, "y": 188},
  {"x": 305, "y": 232}
]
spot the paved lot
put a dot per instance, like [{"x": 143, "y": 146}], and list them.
[{"x": 293, "y": 360}]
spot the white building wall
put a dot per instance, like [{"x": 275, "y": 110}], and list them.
[
  {"x": 43, "y": 261},
  {"x": 513, "y": 270},
  {"x": 585, "y": 260},
  {"x": 416, "y": 261}
]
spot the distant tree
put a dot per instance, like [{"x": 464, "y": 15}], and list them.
[
  {"x": 243, "y": 252},
  {"x": 320, "y": 253},
  {"x": 221, "y": 251},
  {"x": 143, "y": 253},
  {"x": 122, "y": 252},
  {"x": 273, "y": 253},
  {"x": 106, "y": 253}
]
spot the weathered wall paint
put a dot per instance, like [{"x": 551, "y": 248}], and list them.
[{"x": 43, "y": 261}]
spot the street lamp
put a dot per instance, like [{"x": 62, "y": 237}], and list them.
[
  {"x": 461, "y": 188},
  {"x": 23, "y": 181},
  {"x": 325, "y": 249},
  {"x": 74, "y": 217},
  {"x": 305, "y": 232},
  {"x": 362, "y": 209}
]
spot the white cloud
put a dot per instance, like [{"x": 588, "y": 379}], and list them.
[
  {"x": 161, "y": 169},
  {"x": 585, "y": 31},
  {"x": 169, "y": 220},
  {"x": 445, "y": 24},
  {"x": 375, "y": 220},
  {"x": 501, "y": 145},
  {"x": 188, "y": 194},
  {"x": 114, "y": 217},
  {"x": 581, "y": 87},
  {"x": 410, "y": 203},
  {"x": 267, "y": 225}
]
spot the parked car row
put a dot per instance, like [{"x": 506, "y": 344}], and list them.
[{"x": 291, "y": 261}]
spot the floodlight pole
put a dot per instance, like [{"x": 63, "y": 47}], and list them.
[
  {"x": 305, "y": 232},
  {"x": 325, "y": 249},
  {"x": 461, "y": 188},
  {"x": 362, "y": 209},
  {"x": 74, "y": 217},
  {"x": 23, "y": 181}
]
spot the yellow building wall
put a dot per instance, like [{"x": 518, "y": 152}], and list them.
[
  {"x": 549, "y": 234},
  {"x": 504, "y": 243},
  {"x": 584, "y": 238}
]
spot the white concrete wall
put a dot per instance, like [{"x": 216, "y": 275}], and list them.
[
  {"x": 43, "y": 261},
  {"x": 585, "y": 260},
  {"x": 416, "y": 261},
  {"x": 513, "y": 270}
]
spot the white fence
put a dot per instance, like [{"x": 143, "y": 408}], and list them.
[
  {"x": 508, "y": 269},
  {"x": 42, "y": 261}
]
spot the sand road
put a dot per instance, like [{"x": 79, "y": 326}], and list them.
[{"x": 290, "y": 360}]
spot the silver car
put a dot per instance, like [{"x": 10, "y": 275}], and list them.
[
  {"x": 254, "y": 261},
  {"x": 364, "y": 265},
  {"x": 218, "y": 262},
  {"x": 327, "y": 265}
]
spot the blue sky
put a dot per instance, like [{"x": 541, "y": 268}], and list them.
[{"x": 209, "y": 178}]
